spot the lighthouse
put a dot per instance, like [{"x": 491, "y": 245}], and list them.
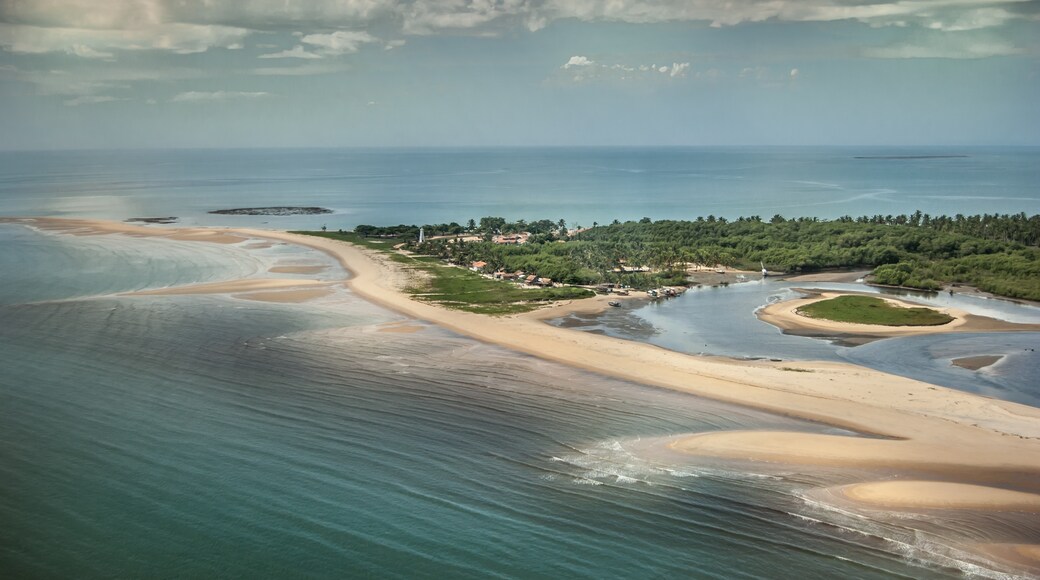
[{"x": 422, "y": 236}]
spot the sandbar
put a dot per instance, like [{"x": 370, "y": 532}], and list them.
[
  {"x": 847, "y": 277},
  {"x": 286, "y": 296},
  {"x": 939, "y": 495},
  {"x": 974, "y": 363},
  {"x": 229, "y": 287},
  {"x": 785, "y": 316}
]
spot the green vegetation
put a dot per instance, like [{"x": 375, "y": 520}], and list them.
[
  {"x": 996, "y": 253},
  {"x": 459, "y": 288},
  {"x": 466, "y": 290},
  {"x": 870, "y": 310}
]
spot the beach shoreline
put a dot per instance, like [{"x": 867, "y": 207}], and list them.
[{"x": 961, "y": 437}]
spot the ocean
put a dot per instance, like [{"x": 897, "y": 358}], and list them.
[{"x": 200, "y": 436}]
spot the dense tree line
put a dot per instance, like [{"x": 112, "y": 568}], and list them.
[{"x": 997, "y": 253}]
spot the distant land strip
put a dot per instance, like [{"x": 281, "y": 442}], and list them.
[
  {"x": 910, "y": 157},
  {"x": 277, "y": 211}
]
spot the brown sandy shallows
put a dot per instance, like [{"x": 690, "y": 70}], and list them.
[
  {"x": 297, "y": 269},
  {"x": 974, "y": 363},
  {"x": 229, "y": 287},
  {"x": 286, "y": 296},
  {"x": 785, "y": 316},
  {"x": 967, "y": 437}
]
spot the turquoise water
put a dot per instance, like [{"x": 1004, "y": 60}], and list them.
[
  {"x": 578, "y": 185},
  {"x": 200, "y": 436}
]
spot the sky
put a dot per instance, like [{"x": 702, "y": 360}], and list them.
[{"x": 389, "y": 73}]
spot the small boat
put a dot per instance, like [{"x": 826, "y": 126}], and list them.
[{"x": 614, "y": 303}]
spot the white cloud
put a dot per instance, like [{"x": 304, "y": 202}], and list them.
[
  {"x": 90, "y": 100},
  {"x": 203, "y": 96},
  {"x": 968, "y": 50},
  {"x": 295, "y": 52},
  {"x": 308, "y": 69},
  {"x": 428, "y": 16},
  {"x": 578, "y": 61},
  {"x": 94, "y": 43},
  {"x": 87, "y": 52},
  {"x": 582, "y": 68},
  {"x": 959, "y": 13},
  {"x": 339, "y": 42},
  {"x": 794, "y": 73}
]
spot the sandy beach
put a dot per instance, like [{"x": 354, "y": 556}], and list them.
[{"x": 968, "y": 439}]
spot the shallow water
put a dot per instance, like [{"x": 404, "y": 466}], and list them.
[
  {"x": 198, "y": 435},
  {"x": 722, "y": 321}
]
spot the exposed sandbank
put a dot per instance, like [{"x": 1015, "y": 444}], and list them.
[
  {"x": 286, "y": 296},
  {"x": 229, "y": 287},
  {"x": 974, "y": 363},
  {"x": 939, "y": 495},
  {"x": 847, "y": 277}
]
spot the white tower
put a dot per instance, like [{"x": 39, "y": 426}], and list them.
[{"x": 422, "y": 236}]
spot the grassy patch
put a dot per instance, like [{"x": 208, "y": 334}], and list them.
[
  {"x": 462, "y": 289},
  {"x": 870, "y": 310}
]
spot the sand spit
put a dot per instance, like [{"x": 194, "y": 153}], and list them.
[{"x": 785, "y": 316}]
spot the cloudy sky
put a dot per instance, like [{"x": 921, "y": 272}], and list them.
[{"x": 226, "y": 73}]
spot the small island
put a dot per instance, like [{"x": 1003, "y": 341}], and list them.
[
  {"x": 274, "y": 211},
  {"x": 856, "y": 309},
  {"x": 152, "y": 220}
]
